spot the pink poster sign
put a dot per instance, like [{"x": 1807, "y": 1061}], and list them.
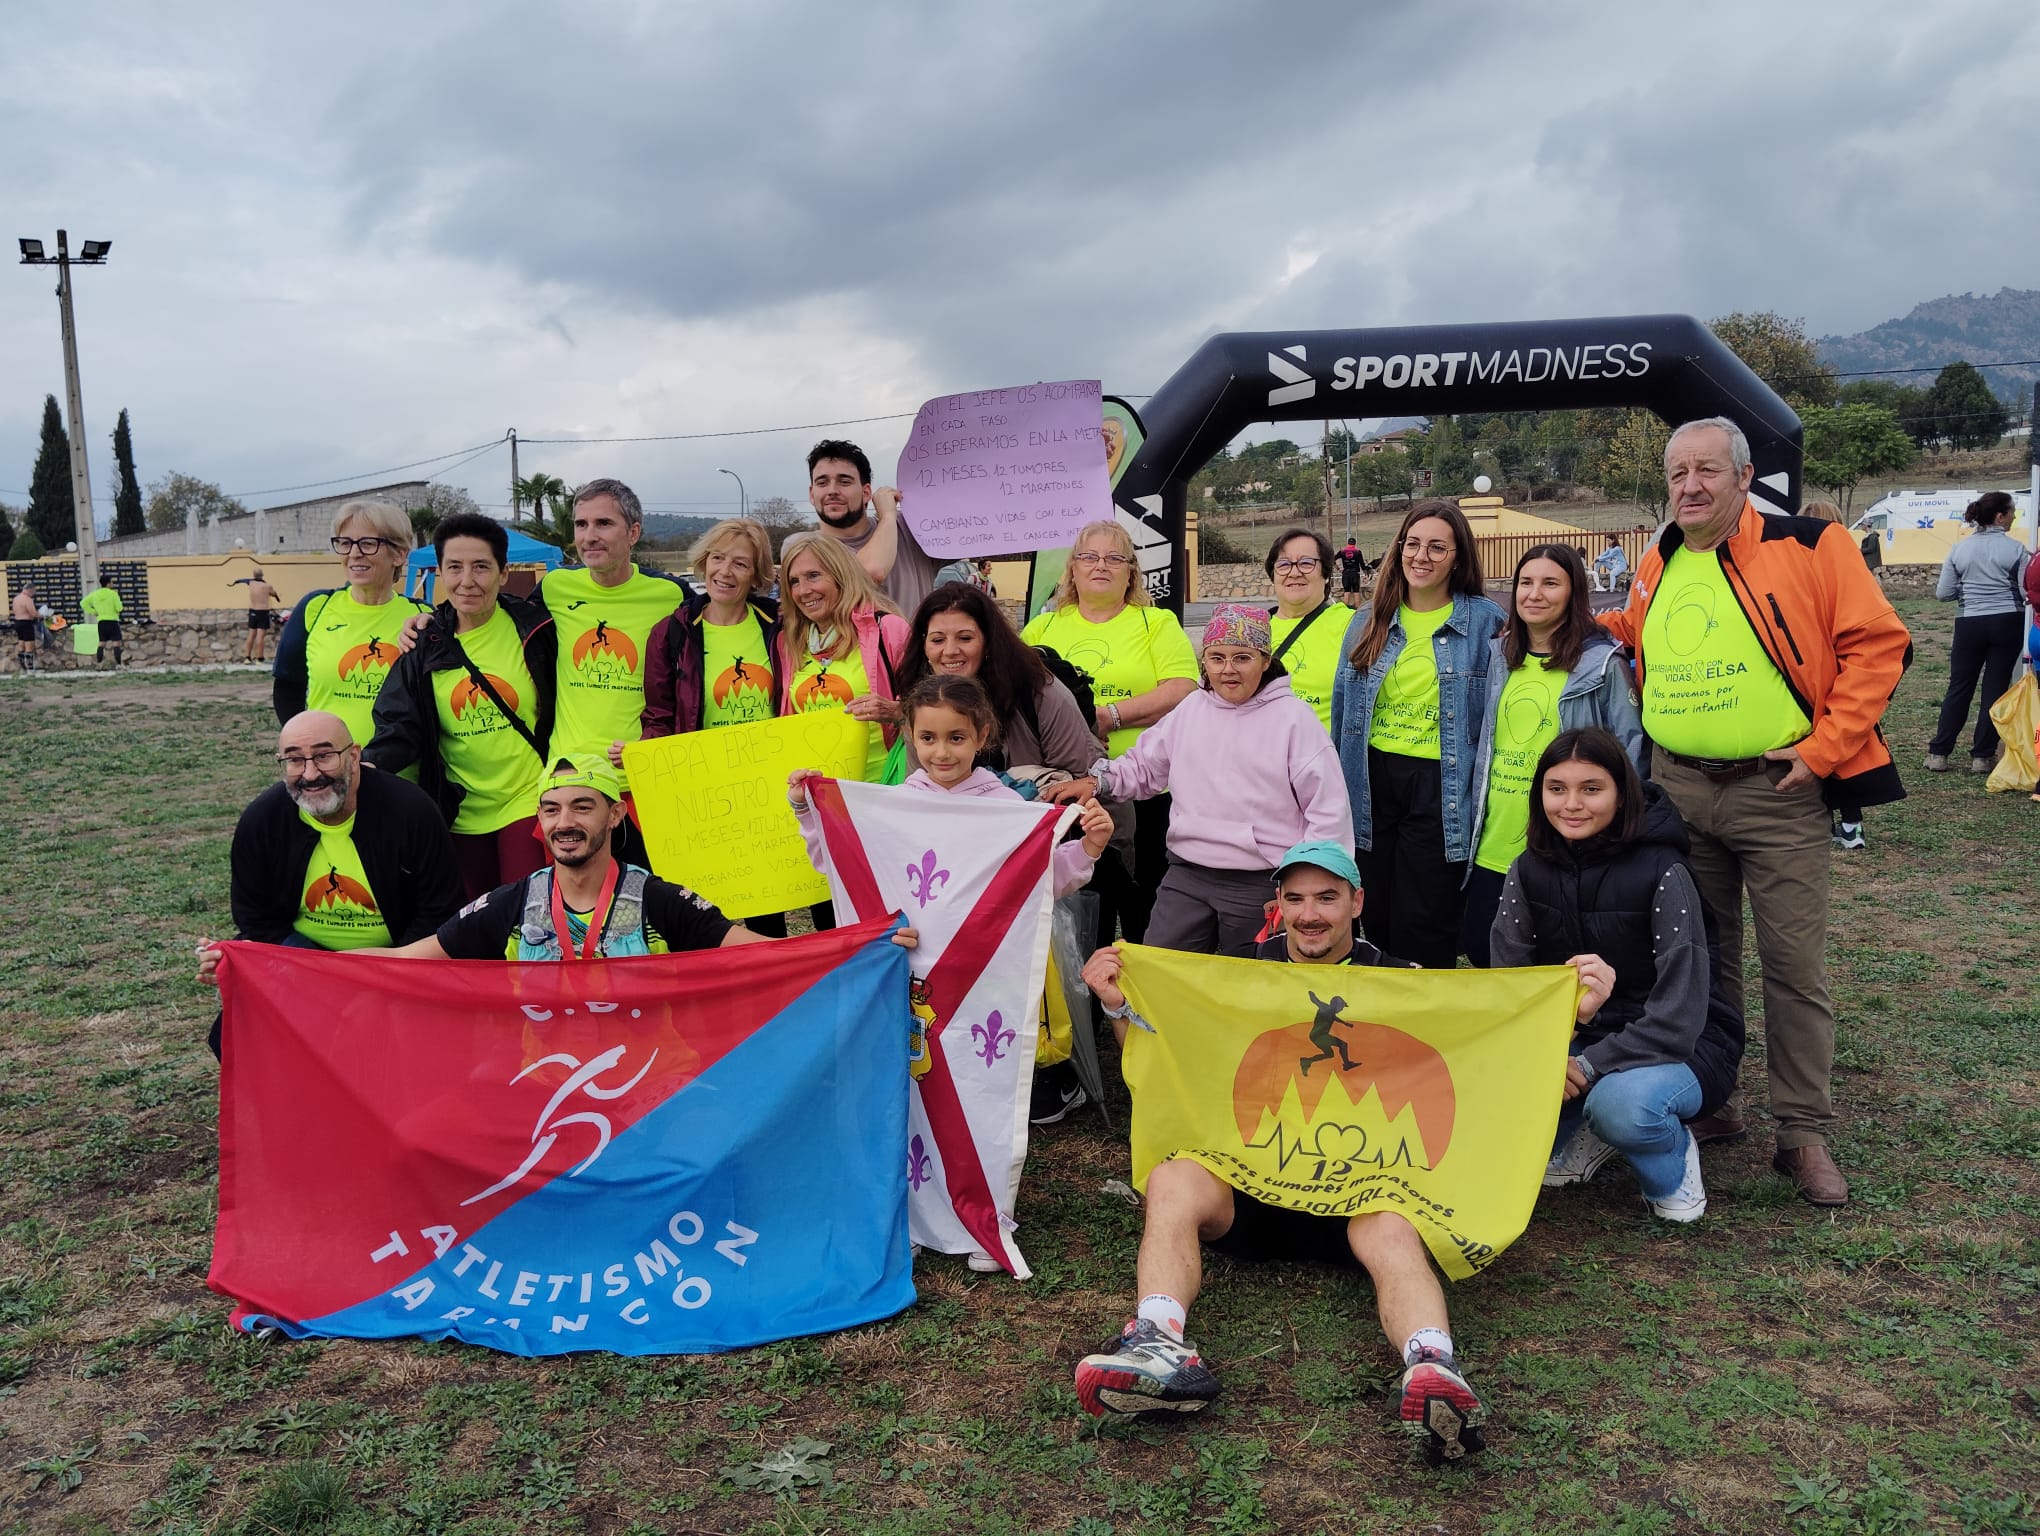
[{"x": 1006, "y": 471}]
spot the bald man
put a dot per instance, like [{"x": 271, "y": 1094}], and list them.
[{"x": 335, "y": 856}]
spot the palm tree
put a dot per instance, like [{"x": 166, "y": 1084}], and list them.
[{"x": 544, "y": 494}]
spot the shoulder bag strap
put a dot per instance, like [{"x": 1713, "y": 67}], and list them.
[
  {"x": 1296, "y": 634},
  {"x": 481, "y": 681}
]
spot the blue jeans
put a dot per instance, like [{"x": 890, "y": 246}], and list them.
[{"x": 1640, "y": 1113}]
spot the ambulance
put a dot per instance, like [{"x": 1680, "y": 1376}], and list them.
[{"x": 1920, "y": 527}]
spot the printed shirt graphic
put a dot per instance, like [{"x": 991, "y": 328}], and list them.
[
  {"x": 1525, "y": 725},
  {"x": 1338, "y": 1091},
  {"x": 1126, "y": 656},
  {"x": 349, "y": 650},
  {"x": 736, "y": 673},
  {"x": 602, "y": 634},
  {"x": 1708, "y": 688},
  {"x": 824, "y": 685},
  {"x": 482, "y": 751},
  {"x": 102, "y": 603},
  {"x": 1406, "y": 710},
  {"x": 337, "y": 909},
  {"x": 1314, "y": 660}
]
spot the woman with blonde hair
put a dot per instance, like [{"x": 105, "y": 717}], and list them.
[
  {"x": 841, "y": 641},
  {"x": 714, "y": 661},
  {"x": 1141, "y": 667},
  {"x": 341, "y": 642}
]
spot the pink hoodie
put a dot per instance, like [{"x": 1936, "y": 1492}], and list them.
[
  {"x": 1069, "y": 867},
  {"x": 1249, "y": 781}
]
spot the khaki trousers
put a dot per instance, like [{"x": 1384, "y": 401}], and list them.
[{"x": 1747, "y": 837}]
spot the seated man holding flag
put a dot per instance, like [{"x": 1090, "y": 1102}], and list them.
[{"x": 1152, "y": 1367}]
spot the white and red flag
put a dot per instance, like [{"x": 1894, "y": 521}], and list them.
[{"x": 972, "y": 875}]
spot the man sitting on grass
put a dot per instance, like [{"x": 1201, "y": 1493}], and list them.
[{"x": 1152, "y": 1367}]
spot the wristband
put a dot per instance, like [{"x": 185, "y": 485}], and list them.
[
  {"x": 1124, "y": 1010},
  {"x": 1113, "y": 711}
]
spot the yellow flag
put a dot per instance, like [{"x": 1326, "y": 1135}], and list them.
[{"x": 1346, "y": 1089}]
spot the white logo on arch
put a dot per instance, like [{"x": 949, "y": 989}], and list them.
[{"x": 1296, "y": 384}]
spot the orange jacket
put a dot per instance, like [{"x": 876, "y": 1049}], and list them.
[{"x": 1824, "y": 621}]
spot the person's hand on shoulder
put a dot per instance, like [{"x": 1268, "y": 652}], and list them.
[{"x": 407, "y": 637}]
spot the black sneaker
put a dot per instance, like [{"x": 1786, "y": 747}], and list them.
[{"x": 1054, "y": 1097}]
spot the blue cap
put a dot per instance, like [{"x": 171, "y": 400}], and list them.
[{"x": 1326, "y": 855}]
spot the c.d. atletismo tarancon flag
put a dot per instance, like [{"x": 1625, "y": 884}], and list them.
[{"x": 1341, "y": 1090}]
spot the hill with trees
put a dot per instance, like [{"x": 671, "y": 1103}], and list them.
[{"x": 1958, "y": 327}]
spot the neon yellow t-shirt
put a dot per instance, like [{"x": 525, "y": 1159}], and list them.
[
  {"x": 1406, "y": 709},
  {"x": 1708, "y": 688},
  {"x": 1127, "y": 655},
  {"x": 337, "y": 909},
  {"x": 349, "y": 650},
  {"x": 102, "y": 603},
  {"x": 824, "y": 685},
  {"x": 737, "y": 673},
  {"x": 1525, "y": 724},
  {"x": 1314, "y": 661},
  {"x": 602, "y": 635},
  {"x": 481, "y": 750}
]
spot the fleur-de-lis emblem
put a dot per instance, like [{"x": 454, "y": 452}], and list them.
[
  {"x": 992, "y": 1040},
  {"x": 924, "y": 879},
  {"x": 920, "y": 1168}
]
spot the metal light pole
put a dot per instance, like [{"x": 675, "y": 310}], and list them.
[
  {"x": 743, "y": 496},
  {"x": 91, "y": 254}
]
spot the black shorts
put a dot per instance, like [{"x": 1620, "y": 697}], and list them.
[
  {"x": 1349, "y": 581},
  {"x": 1264, "y": 1233},
  {"x": 24, "y": 631},
  {"x": 258, "y": 618},
  {"x": 109, "y": 631}
]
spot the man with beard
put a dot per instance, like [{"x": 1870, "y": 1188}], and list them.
[
  {"x": 868, "y": 522},
  {"x": 1151, "y": 1367},
  {"x": 334, "y": 857}
]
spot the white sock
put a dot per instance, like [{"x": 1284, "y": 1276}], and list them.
[
  {"x": 1426, "y": 1338},
  {"x": 1165, "y": 1312}
]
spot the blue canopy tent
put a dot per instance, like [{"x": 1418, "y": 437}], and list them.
[{"x": 524, "y": 550}]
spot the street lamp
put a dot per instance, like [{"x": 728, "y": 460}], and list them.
[
  {"x": 91, "y": 254},
  {"x": 743, "y": 496}
]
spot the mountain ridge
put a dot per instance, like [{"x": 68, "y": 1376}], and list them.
[{"x": 1989, "y": 331}]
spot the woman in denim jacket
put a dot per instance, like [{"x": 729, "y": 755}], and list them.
[{"x": 1406, "y": 714}]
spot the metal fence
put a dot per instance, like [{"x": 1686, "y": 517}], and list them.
[
  {"x": 1500, "y": 552},
  {"x": 56, "y": 583}
]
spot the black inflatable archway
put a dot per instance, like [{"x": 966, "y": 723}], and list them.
[{"x": 1671, "y": 365}]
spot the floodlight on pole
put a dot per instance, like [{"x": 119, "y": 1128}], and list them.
[
  {"x": 92, "y": 253},
  {"x": 743, "y": 496}
]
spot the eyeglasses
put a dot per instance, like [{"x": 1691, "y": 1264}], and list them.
[
  {"x": 1435, "y": 550},
  {"x": 326, "y": 759},
  {"x": 1092, "y": 557},
  {"x": 1306, "y": 565},
  {"x": 368, "y": 546}
]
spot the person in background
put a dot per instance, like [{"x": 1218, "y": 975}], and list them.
[
  {"x": 1406, "y": 711},
  {"x": 1610, "y": 565},
  {"x": 24, "y": 612},
  {"x": 1141, "y": 666},
  {"x": 341, "y": 642},
  {"x": 1352, "y": 566},
  {"x": 103, "y": 605},
  {"x": 1985, "y": 574},
  {"x": 261, "y": 603},
  {"x": 1307, "y": 640},
  {"x": 1552, "y": 669},
  {"x": 867, "y": 523}
]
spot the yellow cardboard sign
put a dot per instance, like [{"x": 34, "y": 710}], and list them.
[{"x": 713, "y": 808}]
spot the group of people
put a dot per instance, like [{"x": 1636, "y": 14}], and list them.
[
  {"x": 1433, "y": 774},
  {"x": 34, "y": 619}
]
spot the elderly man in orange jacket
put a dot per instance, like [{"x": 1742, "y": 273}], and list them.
[{"x": 1766, "y": 653}]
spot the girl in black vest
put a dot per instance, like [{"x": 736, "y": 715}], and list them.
[{"x": 1604, "y": 886}]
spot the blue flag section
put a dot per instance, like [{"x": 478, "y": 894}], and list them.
[{"x": 757, "y": 1195}]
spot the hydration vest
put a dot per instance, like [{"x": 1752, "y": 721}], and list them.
[{"x": 623, "y": 933}]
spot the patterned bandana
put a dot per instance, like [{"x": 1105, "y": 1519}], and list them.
[{"x": 1237, "y": 624}]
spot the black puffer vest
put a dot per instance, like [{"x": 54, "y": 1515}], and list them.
[{"x": 1597, "y": 900}]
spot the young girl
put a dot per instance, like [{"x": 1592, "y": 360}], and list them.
[{"x": 1604, "y": 886}]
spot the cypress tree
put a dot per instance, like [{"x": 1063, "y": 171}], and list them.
[
  {"x": 49, "y": 489},
  {"x": 127, "y": 499}
]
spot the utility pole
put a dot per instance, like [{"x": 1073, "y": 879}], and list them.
[
  {"x": 92, "y": 253},
  {"x": 1325, "y": 457},
  {"x": 515, "y": 499}
]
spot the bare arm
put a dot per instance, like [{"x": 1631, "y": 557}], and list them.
[
  {"x": 1148, "y": 708},
  {"x": 883, "y": 547}
]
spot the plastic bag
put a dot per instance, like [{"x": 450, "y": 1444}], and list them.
[
  {"x": 1066, "y": 1033},
  {"x": 2017, "y": 718}
]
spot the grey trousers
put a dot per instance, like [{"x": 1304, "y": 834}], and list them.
[{"x": 1210, "y": 911}]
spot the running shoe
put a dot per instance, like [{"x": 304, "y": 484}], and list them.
[
  {"x": 1052, "y": 1101},
  {"x": 1145, "y": 1371},
  {"x": 1438, "y": 1404},
  {"x": 1578, "y": 1160},
  {"x": 1848, "y": 834},
  {"x": 1689, "y": 1201}
]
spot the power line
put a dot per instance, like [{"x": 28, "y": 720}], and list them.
[
  {"x": 691, "y": 437},
  {"x": 369, "y": 474}
]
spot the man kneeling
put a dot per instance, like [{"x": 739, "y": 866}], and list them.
[{"x": 1153, "y": 1368}]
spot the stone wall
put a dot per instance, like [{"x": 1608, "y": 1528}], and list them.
[{"x": 178, "y": 639}]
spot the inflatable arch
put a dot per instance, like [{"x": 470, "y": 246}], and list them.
[{"x": 1671, "y": 365}]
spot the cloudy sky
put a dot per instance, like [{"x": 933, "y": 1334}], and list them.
[{"x": 350, "y": 238}]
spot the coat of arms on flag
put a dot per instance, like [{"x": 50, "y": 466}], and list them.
[
  {"x": 972, "y": 875},
  {"x": 658, "y": 1155},
  {"x": 1345, "y": 1089}
]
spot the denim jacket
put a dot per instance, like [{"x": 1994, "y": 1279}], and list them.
[
  {"x": 1462, "y": 647},
  {"x": 1600, "y": 690}
]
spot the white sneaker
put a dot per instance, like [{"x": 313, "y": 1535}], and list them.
[
  {"x": 1578, "y": 1160},
  {"x": 984, "y": 1264},
  {"x": 1689, "y": 1201}
]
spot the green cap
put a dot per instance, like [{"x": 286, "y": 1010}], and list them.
[
  {"x": 589, "y": 769},
  {"x": 1325, "y": 855}
]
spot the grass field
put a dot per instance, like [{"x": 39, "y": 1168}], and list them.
[{"x": 1773, "y": 1369}]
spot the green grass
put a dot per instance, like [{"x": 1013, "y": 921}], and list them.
[{"x": 1774, "y": 1368}]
